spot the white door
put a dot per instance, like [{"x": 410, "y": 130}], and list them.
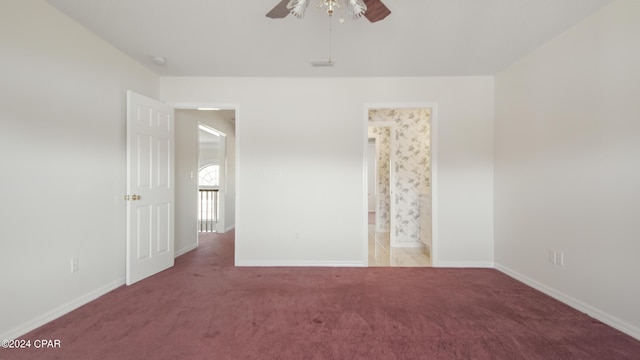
[{"x": 150, "y": 187}]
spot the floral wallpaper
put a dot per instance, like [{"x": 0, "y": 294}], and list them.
[{"x": 413, "y": 168}]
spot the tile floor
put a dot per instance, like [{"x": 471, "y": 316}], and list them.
[{"x": 381, "y": 254}]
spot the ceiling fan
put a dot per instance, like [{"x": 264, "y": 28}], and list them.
[{"x": 373, "y": 10}]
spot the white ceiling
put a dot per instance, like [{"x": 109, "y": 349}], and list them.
[{"x": 419, "y": 38}]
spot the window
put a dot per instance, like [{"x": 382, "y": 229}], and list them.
[{"x": 209, "y": 176}]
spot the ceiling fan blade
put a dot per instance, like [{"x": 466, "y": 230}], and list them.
[
  {"x": 376, "y": 10},
  {"x": 279, "y": 11}
]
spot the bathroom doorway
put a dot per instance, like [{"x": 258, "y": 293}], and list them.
[{"x": 399, "y": 232}]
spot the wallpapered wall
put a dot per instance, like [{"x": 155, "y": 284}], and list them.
[{"x": 413, "y": 167}]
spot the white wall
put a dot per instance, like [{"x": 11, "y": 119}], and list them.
[
  {"x": 62, "y": 158},
  {"x": 567, "y": 166},
  {"x": 301, "y": 202},
  {"x": 186, "y": 200}
]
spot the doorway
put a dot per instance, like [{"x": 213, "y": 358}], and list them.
[
  {"x": 402, "y": 137},
  {"x": 211, "y": 178},
  {"x": 212, "y": 164}
]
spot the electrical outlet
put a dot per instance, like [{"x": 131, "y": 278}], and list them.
[
  {"x": 556, "y": 257},
  {"x": 74, "y": 265}
]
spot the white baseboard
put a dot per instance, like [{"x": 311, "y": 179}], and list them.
[
  {"x": 598, "y": 314},
  {"x": 276, "y": 263},
  {"x": 61, "y": 310},
  {"x": 463, "y": 264},
  {"x": 229, "y": 228},
  {"x": 185, "y": 250}
]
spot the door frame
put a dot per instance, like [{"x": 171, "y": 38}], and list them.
[{"x": 433, "y": 176}]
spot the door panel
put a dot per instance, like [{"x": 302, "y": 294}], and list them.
[
  {"x": 163, "y": 147},
  {"x": 143, "y": 160},
  {"x": 163, "y": 219},
  {"x": 150, "y": 189},
  {"x": 144, "y": 237}
]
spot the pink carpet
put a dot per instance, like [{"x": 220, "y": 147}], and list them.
[{"x": 204, "y": 308}]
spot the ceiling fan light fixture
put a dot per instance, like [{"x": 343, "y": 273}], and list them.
[
  {"x": 356, "y": 8},
  {"x": 373, "y": 10}
]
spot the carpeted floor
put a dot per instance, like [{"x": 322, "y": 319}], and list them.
[{"x": 204, "y": 308}]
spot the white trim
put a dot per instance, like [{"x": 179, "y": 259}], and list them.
[
  {"x": 186, "y": 250},
  {"x": 238, "y": 192},
  {"x": 229, "y": 228},
  {"x": 61, "y": 310},
  {"x": 465, "y": 264},
  {"x": 596, "y": 313},
  {"x": 365, "y": 187},
  {"x": 287, "y": 263}
]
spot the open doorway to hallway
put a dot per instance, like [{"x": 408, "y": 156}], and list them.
[
  {"x": 216, "y": 169},
  {"x": 399, "y": 205},
  {"x": 205, "y": 174},
  {"x": 211, "y": 177}
]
